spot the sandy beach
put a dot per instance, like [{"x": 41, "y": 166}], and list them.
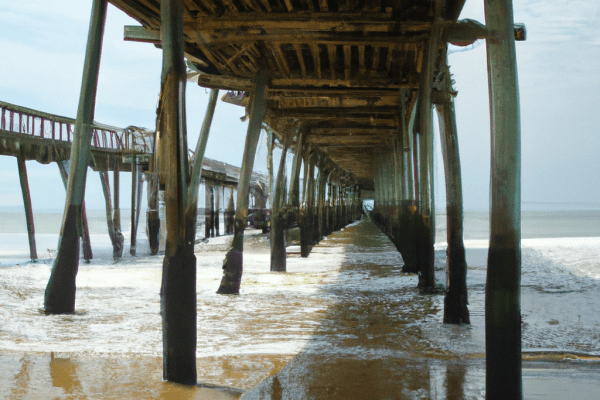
[{"x": 344, "y": 323}]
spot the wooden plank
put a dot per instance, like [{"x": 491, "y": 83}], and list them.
[
  {"x": 266, "y": 5},
  {"x": 289, "y": 6},
  {"x": 388, "y": 59},
  {"x": 347, "y": 62},
  {"x": 361, "y": 60},
  {"x": 375, "y": 63},
  {"x": 280, "y": 58},
  {"x": 331, "y": 50},
  {"x": 323, "y": 6},
  {"x": 309, "y": 21},
  {"x": 298, "y": 49},
  {"x": 314, "y": 47},
  {"x": 245, "y": 35}
]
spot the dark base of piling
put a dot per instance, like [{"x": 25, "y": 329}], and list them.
[
  {"x": 153, "y": 225},
  {"x": 178, "y": 309},
  {"x": 232, "y": 273},
  {"x": 59, "y": 297}
]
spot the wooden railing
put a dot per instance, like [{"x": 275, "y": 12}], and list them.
[{"x": 35, "y": 123}]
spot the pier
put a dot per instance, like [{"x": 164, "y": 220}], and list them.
[{"x": 349, "y": 88}]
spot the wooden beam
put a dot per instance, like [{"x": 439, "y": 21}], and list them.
[
  {"x": 298, "y": 49},
  {"x": 314, "y": 47},
  {"x": 331, "y": 50},
  {"x": 280, "y": 58},
  {"x": 309, "y": 21}
]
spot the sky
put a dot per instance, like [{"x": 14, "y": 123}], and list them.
[{"x": 42, "y": 47}]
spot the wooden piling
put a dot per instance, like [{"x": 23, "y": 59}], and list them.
[
  {"x": 178, "y": 289},
  {"x": 217, "y": 191},
  {"x": 426, "y": 226},
  {"x": 116, "y": 218},
  {"x": 112, "y": 234},
  {"x": 278, "y": 217},
  {"x": 191, "y": 212},
  {"x": 152, "y": 214},
  {"x": 27, "y": 204},
  {"x": 233, "y": 263},
  {"x": 60, "y": 292},
  {"x": 134, "y": 187},
  {"x": 456, "y": 310},
  {"x": 307, "y": 214},
  {"x": 503, "y": 286},
  {"x": 230, "y": 215},
  {"x": 208, "y": 210}
]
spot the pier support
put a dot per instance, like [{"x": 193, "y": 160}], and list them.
[
  {"x": 456, "y": 310},
  {"x": 191, "y": 213},
  {"x": 425, "y": 228},
  {"x": 137, "y": 185},
  {"x": 209, "y": 213},
  {"x": 503, "y": 286},
  {"x": 152, "y": 214},
  {"x": 307, "y": 212},
  {"x": 230, "y": 214},
  {"x": 178, "y": 289},
  {"x": 116, "y": 238},
  {"x": 60, "y": 292},
  {"x": 217, "y": 191},
  {"x": 28, "y": 210},
  {"x": 233, "y": 263},
  {"x": 278, "y": 215}
]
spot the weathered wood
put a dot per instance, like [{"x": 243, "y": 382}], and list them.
[
  {"x": 230, "y": 215},
  {"x": 28, "y": 210},
  {"x": 117, "y": 242},
  {"x": 59, "y": 297},
  {"x": 233, "y": 263},
  {"x": 278, "y": 215},
  {"x": 209, "y": 212},
  {"x": 426, "y": 227},
  {"x": 307, "y": 212},
  {"x": 152, "y": 216},
  {"x": 191, "y": 212},
  {"x": 456, "y": 310},
  {"x": 295, "y": 178},
  {"x": 270, "y": 143},
  {"x": 116, "y": 217},
  {"x": 503, "y": 286},
  {"x": 178, "y": 288},
  {"x": 217, "y": 209},
  {"x": 134, "y": 186}
]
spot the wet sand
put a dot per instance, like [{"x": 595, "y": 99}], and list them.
[{"x": 343, "y": 324}]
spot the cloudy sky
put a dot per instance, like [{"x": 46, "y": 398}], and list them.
[{"x": 42, "y": 46}]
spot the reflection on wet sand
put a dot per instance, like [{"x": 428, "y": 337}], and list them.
[
  {"x": 63, "y": 374},
  {"x": 60, "y": 376}
]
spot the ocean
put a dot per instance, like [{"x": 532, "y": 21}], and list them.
[{"x": 343, "y": 323}]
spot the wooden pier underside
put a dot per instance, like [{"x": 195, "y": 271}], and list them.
[{"x": 335, "y": 65}]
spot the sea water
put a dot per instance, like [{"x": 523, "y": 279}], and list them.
[{"x": 348, "y": 299}]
